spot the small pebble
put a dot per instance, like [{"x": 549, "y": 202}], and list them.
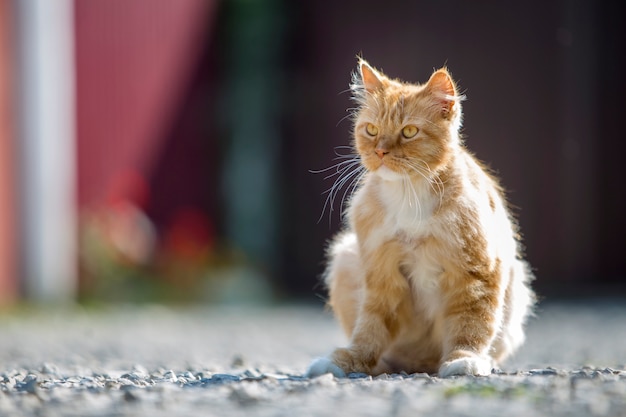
[
  {"x": 29, "y": 385},
  {"x": 547, "y": 371},
  {"x": 48, "y": 368},
  {"x": 218, "y": 379},
  {"x": 325, "y": 380},
  {"x": 170, "y": 376},
  {"x": 130, "y": 397},
  {"x": 237, "y": 361},
  {"x": 421, "y": 375}
]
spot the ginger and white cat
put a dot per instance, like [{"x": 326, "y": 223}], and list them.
[{"x": 428, "y": 274}]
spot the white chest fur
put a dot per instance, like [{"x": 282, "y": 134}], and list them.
[
  {"x": 408, "y": 206},
  {"x": 408, "y": 216}
]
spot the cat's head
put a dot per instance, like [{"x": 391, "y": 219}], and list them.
[{"x": 403, "y": 129}]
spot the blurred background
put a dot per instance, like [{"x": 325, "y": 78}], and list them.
[{"x": 159, "y": 150}]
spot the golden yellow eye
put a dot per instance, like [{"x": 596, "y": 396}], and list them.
[
  {"x": 409, "y": 131},
  {"x": 371, "y": 129}
]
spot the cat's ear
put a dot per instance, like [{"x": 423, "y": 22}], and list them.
[
  {"x": 370, "y": 77},
  {"x": 443, "y": 90}
]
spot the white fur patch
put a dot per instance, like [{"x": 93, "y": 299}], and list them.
[
  {"x": 408, "y": 205},
  {"x": 424, "y": 274},
  {"x": 346, "y": 243},
  {"x": 466, "y": 366},
  {"x": 387, "y": 174},
  {"x": 322, "y": 366}
]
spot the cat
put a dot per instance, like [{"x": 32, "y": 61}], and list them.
[{"x": 428, "y": 275}]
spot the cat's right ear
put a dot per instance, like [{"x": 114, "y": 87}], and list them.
[{"x": 370, "y": 77}]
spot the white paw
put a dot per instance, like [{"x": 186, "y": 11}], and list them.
[
  {"x": 321, "y": 366},
  {"x": 465, "y": 366}
]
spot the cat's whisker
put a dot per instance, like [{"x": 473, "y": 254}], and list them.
[
  {"x": 350, "y": 156},
  {"x": 347, "y": 90},
  {"x": 347, "y": 116},
  {"x": 419, "y": 206},
  {"x": 347, "y": 171},
  {"x": 405, "y": 193},
  {"x": 423, "y": 173},
  {"x": 409, "y": 191},
  {"x": 347, "y": 165},
  {"x": 344, "y": 147},
  {"x": 349, "y": 175},
  {"x": 347, "y": 155},
  {"x": 350, "y": 179},
  {"x": 435, "y": 178},
  {"x": 334, "y": 189},
  {"x": 352, "y": 187},
  {"x": 328, "y": 201},
  {"x": 430, "y": 177},
  {"x": 338, "y": 167},
  {"x": 429, "y": 180}
]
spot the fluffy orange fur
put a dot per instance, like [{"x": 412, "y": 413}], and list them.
[{"x": 428, "y": 274}]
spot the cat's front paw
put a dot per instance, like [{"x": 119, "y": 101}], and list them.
[
  {"x": 321, "y": 366},
  {"x": 472, "y": 365}
]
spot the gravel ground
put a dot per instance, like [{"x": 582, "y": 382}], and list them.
[{"x": 157, "y": 361}]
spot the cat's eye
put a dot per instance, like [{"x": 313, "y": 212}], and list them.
[
  {"x": 371, "y": 129},
  {"x": 409, "y": 131}
]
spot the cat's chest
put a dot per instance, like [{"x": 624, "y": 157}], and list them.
[
  {"x": 406, "y": 214},
  {"x": 407, "y": 210}
]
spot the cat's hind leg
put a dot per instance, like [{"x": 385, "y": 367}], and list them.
[
  {"x": 519, "y": 301},
  {"x": 345, "y": 281}
]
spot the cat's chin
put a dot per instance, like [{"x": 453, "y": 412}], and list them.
[{"x": 387, "y": 174}]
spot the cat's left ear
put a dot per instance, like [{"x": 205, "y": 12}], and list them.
[{"x": 443, "y": 90}]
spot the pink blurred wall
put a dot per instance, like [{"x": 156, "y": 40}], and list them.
[
  {"x": 134, "y": 60},
  {"x": 8, "y": 220}
]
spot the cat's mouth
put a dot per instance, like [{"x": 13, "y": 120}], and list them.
[
  {"x": 387, "y": 168},
  {"x": 388, "y": 174}
]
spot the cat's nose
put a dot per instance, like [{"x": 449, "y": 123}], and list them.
[{"x": 381, "y": 152}]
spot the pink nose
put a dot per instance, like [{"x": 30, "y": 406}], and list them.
[{"x": 381, "y": 152}]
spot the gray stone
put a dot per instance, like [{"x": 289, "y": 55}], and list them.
[{"x": 567, "y": 367}]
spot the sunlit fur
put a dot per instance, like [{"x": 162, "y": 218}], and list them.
[{"x": 427, "y": 275}]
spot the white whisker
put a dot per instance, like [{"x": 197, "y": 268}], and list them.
[
  {"x": 348, "y": 173},
  {"x": 433, "y": 180},
  {"x": 352, "y": 188},
  {"x": 339, "y": 168},
  {"x": 347, "y": 116},
  {"x": 347, "y": 90},
  {"x": 409, "y": 193}
]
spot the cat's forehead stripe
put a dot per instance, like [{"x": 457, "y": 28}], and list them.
[{"x": 395, "y": 107}]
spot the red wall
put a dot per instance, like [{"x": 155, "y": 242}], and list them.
[
  {"x": 134, "y": 60},
  {"x": 8, "y": 220}
]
